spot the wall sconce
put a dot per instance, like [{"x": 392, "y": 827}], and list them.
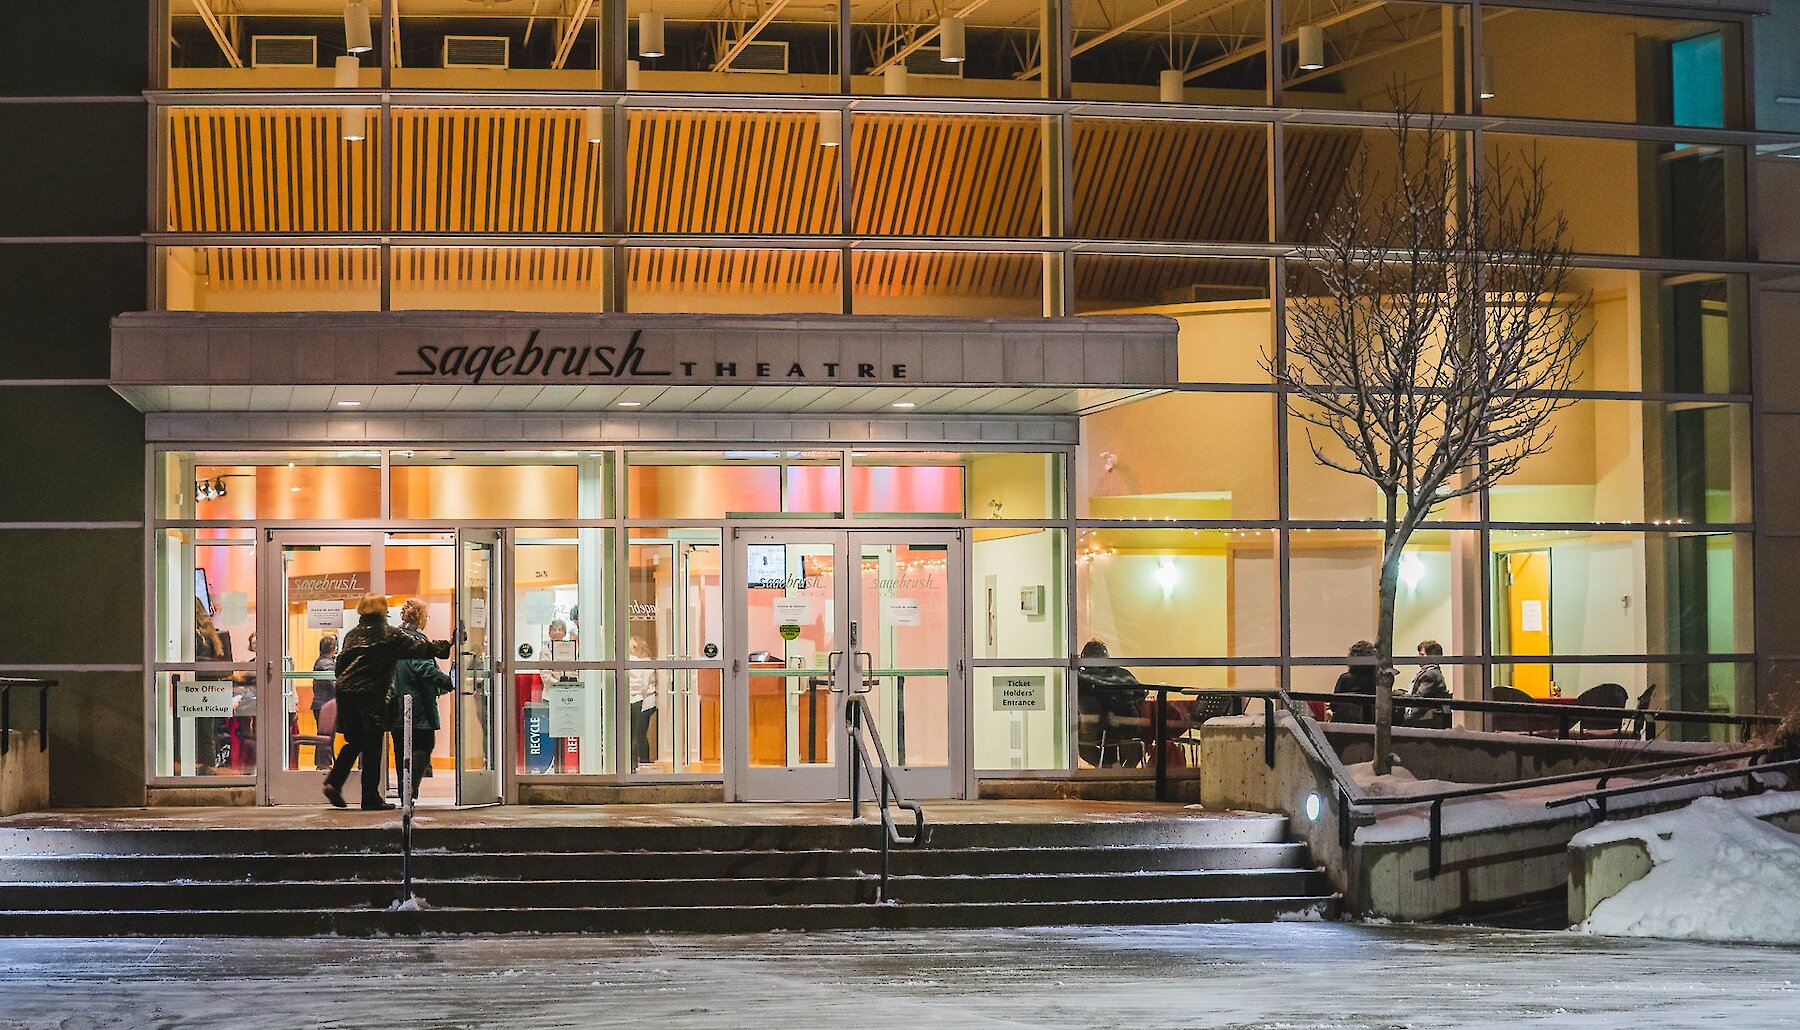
[
  {"x": 1412, "y": 571},
  {"x": 1167, "y": 575}
]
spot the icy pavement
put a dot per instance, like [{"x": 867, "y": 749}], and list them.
[{"x": 1291, "y": 976}]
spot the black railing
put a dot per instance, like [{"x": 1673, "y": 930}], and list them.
[
  {"x": 881, "y": 776},
  {"x": 1601, "y": 792},
  {"x": 1566, "y": 715},
  {"x": 7, "y": 683}
]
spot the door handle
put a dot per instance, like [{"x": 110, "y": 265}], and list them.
[
  {"x": 831, "y": 671},
  {"x": 865, "y": 664}
]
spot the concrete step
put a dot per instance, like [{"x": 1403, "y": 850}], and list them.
[
  {"x": 734, "y": 919},
  {"x": 642, "y": 864}
]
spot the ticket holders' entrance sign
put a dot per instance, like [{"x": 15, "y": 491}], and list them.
[{"x": 1020, "y": 694}]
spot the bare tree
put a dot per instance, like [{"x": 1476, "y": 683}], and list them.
[{"x": 1431, "y": 337}]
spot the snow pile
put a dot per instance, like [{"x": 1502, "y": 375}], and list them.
[
  {"x": 1720, "y": 874},
  {"x": 1394, "y": 823}
]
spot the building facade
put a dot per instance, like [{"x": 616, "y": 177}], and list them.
[{"x": 699, "y": 362}]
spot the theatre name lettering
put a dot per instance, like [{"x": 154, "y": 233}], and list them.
[{"x": 534, "y": 362}]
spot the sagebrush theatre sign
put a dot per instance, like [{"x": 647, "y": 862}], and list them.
[{"x": 384, "y": 348}]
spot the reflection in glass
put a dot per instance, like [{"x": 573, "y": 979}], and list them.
[{"x": 674, "y": 593}]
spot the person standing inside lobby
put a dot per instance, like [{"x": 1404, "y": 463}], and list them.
[
  {"x": 425, "y": 683},
  {"x": 365, "y": 672},
  {"x": 324, "y": 691}
]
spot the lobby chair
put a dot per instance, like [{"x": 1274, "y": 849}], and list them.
[
  {"x": 327, "y": 730},
  {"x": 1605, "y": 695},
  {"x": 1520, "y": 722}
]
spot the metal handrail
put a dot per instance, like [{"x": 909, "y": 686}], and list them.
[
  {"x": 1601, "y": 792},
  {"x": 854, "y": 711},
  {"x": 43, "y": 685}
]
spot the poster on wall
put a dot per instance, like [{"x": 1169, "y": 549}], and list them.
[
  {"x": 900, "y": 611},
  {"x": 568, "y": 708},
  {"x": 326, "y": 614},
  {"x": 203, "y": 699},
  {"x": 1020, "y": 694}
]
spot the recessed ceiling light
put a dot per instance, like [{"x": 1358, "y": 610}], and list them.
[
  {"x": 293, "y": 489},
  {"x": 349, "y": 404},
  {"x": 631, "y": 404},
  {"x": 904, "y": 404}
]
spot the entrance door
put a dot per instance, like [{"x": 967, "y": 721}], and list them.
[
  {"x": 1522, "y": 579},
  {"x": 478, "y": 652},
  {"x": 313, "y": 581},
  {"x": 825, "y": 615}
]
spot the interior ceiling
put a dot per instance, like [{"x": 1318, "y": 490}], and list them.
[
  {"x": 635, "y": 400},
  {"x": 272, "y": 170}
]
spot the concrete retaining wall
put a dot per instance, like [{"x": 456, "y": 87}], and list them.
[
  {"x": 1599, "y": 871},
  {"x": 24, "y": 774}
]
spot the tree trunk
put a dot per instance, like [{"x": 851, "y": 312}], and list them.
[{"x": 1394, "y": 541}]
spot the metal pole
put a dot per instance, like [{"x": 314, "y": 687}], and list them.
[
  {"x": 854, "y": 755},
  {"x": 1269, "y": 732},
  {"x": 1437, "y": 836},
  {"x": 1157, "y": 735},
  {"x": 406, "y": 797}
]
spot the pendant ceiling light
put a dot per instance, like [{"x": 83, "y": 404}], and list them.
[
  {"x": 1312, "y": 48},
  {"x": 358, "y": 36},
  {"x": 952, "y": 47},
  {"x": 831, "y": 128},
  {"x": 893, "y": 80},
  {"x": 592, "y": 121},
  {"x": 634, "y": 79},
  {"x": 1172, "y": 84},
  {"x": 347, "y": 74},
  {"x": 650, "y": 34},
  {"x": 1484, "y": 82}
]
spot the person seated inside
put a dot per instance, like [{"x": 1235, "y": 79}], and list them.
[
  {"x": 1109, "y": 700},
  {"x": 1359, "y": 678},
  {"x": 1429, "y": 682}
]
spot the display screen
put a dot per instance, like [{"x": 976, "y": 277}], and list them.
[{"x": 768, "y": 565}]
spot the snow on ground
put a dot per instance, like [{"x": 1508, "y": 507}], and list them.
[
  {"x": 1720, "y": 874},
  {"x": 1321, "y": 976}
]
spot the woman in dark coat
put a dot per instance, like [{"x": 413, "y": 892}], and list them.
[{"x": 1359, "y": 678}]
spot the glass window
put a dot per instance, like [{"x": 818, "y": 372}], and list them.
[
  {"x": 1222, "y": 307},
  {"x": 1166, "y": 180},
  {"x": 731, "y": 172},
  {"x": 205, "y": 595},
  {"x": 1649, "y": 331},
  {"x": 673, "y": 577},
  {"x": 272, "y": 169},
  {"x": 1134, "y": 466},
  {"x": 1317, "y": 166},
  {"x": 1628, "y": 461},
  {"x": 967, "y": 284},
  {"x": 562, "y": 589},
  {"x": 495, "y": 46},
  {"x": 1638, "y": 197},
  {"x": 675, "y": 716},
  {"x": 1018, "y": 593},
  {"x": 1353, "y": 56},
  {"x": 500, "y": 278},
  {"x": 971, "y": 50},
  {"x": 1178, "y": 593},
  {"x": 1611, "y": 67},
  {"x": 273, "y": 44},
  {"x": 492, "y": 170},
  {"x": 270, "y": 278},
  {"x": 565, "y": 720},
  {"x": 733, "y": 280},
  {"x": 1333, "y": 576},
  {"x": 716, "y": 50},
  {"x": 205, "y": 723},
  {"x": 731, "y": 484},
  {"x": 269, "y": 485},
  {"x": 997, "y": 485},
  {"x": 1207, "y": 52},
  {"x": 475, "y": 485},
  {"x": 1011, "y": 733},
  {"x": 947, "y": 175}
]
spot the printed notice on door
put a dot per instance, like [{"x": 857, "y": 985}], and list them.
[
  {"x": 568, "y": 708},
  {"x": 793, "y": 611},
  {"x": 326, "y": 614},
  {"x": 1020, "y": 694},
  {"x": 203, "y": 699},
  {"x": 1531, "y": 617},
  {"x": 900, "y": 611}
]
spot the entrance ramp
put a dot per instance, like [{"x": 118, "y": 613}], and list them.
[{"x": 708, "y": 868}]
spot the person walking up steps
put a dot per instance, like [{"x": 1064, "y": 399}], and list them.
[{"x": 365, "y": 675}]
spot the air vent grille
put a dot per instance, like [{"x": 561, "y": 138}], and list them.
[
  {"x": 284, "y": 51},
  {"x": 476, "y": 51}
]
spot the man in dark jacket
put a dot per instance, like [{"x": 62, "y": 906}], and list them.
[
  {"x": 1429, "y": 682},
  {"x": 425, "y": 682},
  {"x": 365, "y": 674}
]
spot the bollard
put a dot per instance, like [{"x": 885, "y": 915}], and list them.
[{"x": 406, "y": 797}]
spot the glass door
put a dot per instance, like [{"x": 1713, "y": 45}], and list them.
[
  {"x": 479, "y": 653},
  {"x": 312, "y": 582},
  {"x": 789, "y": 665},
  {"x": 824, "y": 615}
]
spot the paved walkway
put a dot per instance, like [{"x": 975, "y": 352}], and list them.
[
  {"x": 743, "y": 814},
  {"x": 1285, "y": 975}
]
